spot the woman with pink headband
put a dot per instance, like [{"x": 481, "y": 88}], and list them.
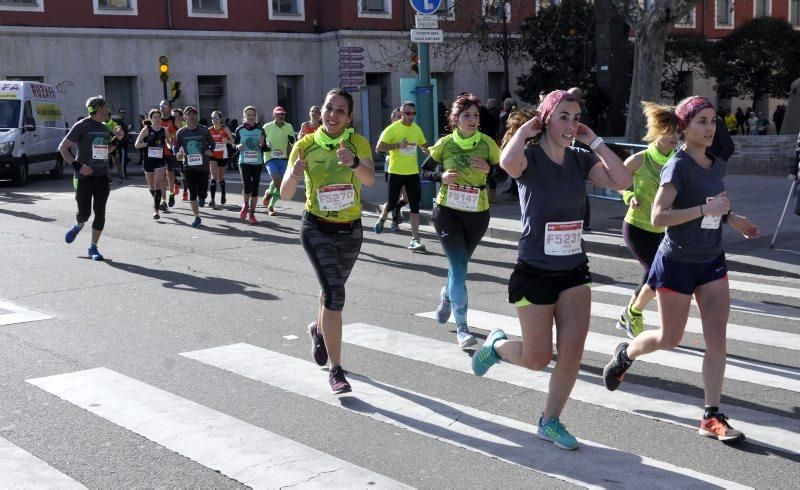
[
  {"x": 692, "y": 203},
  {"x": 551, "y": 280}
]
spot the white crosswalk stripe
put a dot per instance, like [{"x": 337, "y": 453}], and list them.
[
  {"x": 20, "y": 469},
  {"x": 685, "y": 359},
  {"x": 18, "y": 314},
  {"x": 465, "y": 427}
]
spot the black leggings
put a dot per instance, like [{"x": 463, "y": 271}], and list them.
[
  {"x": 92, "y": 195},
  {"x": 251, "y": 177},
  {"x": 413, "y": 190},
  {"x": 643, "y": 245},
  {"x": 333, "y": 250}
]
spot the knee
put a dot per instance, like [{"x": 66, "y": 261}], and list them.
[
  {"x": 334, "y": 298},
  {"x": 669, "y": 340},
  {"x": 99, "y": 222},
  {"x": 536, "y": 362}
]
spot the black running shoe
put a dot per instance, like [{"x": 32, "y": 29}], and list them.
[
  {"x": 318, "y": 350},
  {"x": 615, "y": 370},
  {"x": 338, "y": 382},
  {"x": 171, "y": 200}
]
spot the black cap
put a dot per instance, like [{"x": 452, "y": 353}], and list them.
[{"x": 94, "y": 103}]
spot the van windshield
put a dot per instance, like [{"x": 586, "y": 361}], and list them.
[{"x": 9, "y": 113}]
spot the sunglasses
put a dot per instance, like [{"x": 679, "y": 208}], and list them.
[{"x": 410, "y": 113}]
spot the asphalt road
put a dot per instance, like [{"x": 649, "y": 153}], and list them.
[{"x": 183, "y": 361}]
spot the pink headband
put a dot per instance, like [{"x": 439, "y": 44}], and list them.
[
  {"x": 551, "y": 101},
  {"x": 689, "y": 108}
]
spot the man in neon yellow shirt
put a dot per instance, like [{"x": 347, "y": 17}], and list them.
[
  {"x": 280, "y": 139},
  {"x": 401, "y": 140}
]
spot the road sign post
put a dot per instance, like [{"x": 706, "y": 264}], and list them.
[{"x": 424, "y": 88}]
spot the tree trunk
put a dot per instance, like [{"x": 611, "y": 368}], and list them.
[{"x": 648, "y": 59}]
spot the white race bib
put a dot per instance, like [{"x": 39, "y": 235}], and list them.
[
  {"x": 250, "y": 157},
  {"x": 155, "y": 152},
  {"x": 221, "y": 147},
  {"x": 710, "y": 222},
  {"x": 411, "y": 149},
  {"x": 194, "y": 160},
  {"x": 562, "y": 237},
  {"x": 277, "y": 154},
  {"x": 99, "y": 152},
  {"x": 335, "y": 197},
  {"x": 463, "y": 198}
]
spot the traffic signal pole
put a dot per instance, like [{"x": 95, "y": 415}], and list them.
[
  {"x": 164, "y": 85},
  {"x": 425, "y": 93}
]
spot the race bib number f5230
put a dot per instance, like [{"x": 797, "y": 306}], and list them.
[
  {"x": 562, "y": 237},
  {"x": 250, "y": 157},
  {"x": 463, "y": 198},
  {"x": 335, "y": 197},
  {"x": 99, "y": 152}
]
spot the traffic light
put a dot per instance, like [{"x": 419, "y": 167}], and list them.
[
  {"x": 163, "y": 68},
  {"x": 175, "y": 90},
  {"x": 414, "y": 59}
]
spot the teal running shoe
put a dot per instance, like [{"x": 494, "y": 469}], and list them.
[
  {"x": 555, "y": 432},
  {"x": 486, "y": 356}
]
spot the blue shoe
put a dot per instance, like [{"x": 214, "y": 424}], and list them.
[
  {"x": 94, "y": 254},
  {"x": 443, "y": 310},
  {"x": 465, "y": 339},
  {"x": 555, "y": 432},
  {"x": 486, "y": 356},
  {"x": 379, "y": 226},
  {"x": 72, "y": 233},
  {"x": 196, "y": 222}
]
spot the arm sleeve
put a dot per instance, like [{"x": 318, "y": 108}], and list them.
[
  {"x": 363, "y": 150},
  {"x": 421, "y": 137},
  {"x": 494, "y": 151},
  {"x": 386, "y": 135},
  {"x": 431, "y": 169},
  {"x": 672, "y": 174},
  {"x": 76, "y": 133},
  {"x": 586, "y": 160}
]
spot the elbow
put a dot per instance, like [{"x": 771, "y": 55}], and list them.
[
  {"x": 511, "y": 168},
  {"x": 624, "y": 183},
  {"x": 657, "y": 218}
]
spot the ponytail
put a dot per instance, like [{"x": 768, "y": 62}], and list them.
[
  {"x": 515, "y": 121},
  {"x": 661, "y": 120}
]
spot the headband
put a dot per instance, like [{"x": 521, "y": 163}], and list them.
[{"x": 689, "y": 108}]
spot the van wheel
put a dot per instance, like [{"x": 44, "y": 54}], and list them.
[
  {"x": 58, "y": 171},
  {"x": 21, "y": 175}
]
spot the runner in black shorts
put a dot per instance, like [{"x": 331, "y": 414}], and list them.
[
  {"x": 219, "y": 160},
  {"x": 152, "y": 139},
  {"x": 551, "y": 281},
  {"x": 196, "y": 145}
]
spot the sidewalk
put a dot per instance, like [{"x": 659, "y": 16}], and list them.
[{"x": 760, "y": 198}]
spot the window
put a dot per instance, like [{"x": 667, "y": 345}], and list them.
[
  {"x": 494, "y": 10},
  {"x": 375, "y": 8},
  {"x": 289, "y": 97},
  {"x": 115, "y": 7},
  {"x": 762, "y": 8},
  {"x": 724, "y": 14},
  {"x": 287, "y": 10},
  {"x": 794, "y": 12},
  {"x": 211, "y": 95},
  {"x": 25, "y": 78},
  {"x": 688, "y": 20},
  {"x": 207, "y": 8},
  {"x": 23, "y": 5}
]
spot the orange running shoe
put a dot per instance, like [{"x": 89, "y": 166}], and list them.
[{"x": 717, "y": 427}]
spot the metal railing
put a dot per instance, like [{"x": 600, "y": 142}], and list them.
[{"x": 624, "y": 150}]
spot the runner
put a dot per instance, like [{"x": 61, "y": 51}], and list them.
[
  {"x": 153, "y": 138},
  {"x": 460, "y": 161},
  {"x": 169, "y": 124},
  {"x": 180, "y": 122},
  {"x": 551, "y": 281},
  {"x": 94, "y": 142},
  {"x": 280, "y": 139},
  {"x": 195, "y": 144},
  {"x": 692, "y": 204},
  {"x": 641, "y": 237},
  {"x": 219, "y": 160},
  {"x": 334, "y": 161},
  {"x": 401, "y": 140},
  {"x": 314, "y": 122},
  {"x": 249, "y": 139}
]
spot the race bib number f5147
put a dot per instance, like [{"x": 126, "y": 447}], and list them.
[
  {"x": 562, "y": 237},
  {"x": 463, "y": 198},
  {"x": 99, "y": 152},
  {"x": 194, "y": 160},
  {"x": 335, "y": 197}
]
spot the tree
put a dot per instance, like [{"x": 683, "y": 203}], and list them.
[
  {"x": 760, "y": 57},
  {"x": 684, "y": 54},
  {"x": 651, "y": 21},
  {"x": 561, "y": 47}
]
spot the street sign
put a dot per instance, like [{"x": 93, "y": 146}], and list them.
[
  {"x": 351, "y": 57},
  {"x": 353, "y": 74},
  {"x": 426, "y": 21},
  {"x": 426, "y": 7},
  {"x": 351, "y": 49},
  {"x": 351, "y": 65},
  {"x": 427, "y": 36}
]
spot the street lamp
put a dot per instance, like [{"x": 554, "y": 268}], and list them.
[{"x": 504, "y": 43}]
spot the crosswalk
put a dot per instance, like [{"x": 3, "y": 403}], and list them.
[{"x": 253, "y": 456}]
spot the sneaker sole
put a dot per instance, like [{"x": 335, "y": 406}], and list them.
[
  {"x": 622, "y": 327},
  {"x": 712, "y": 435},
  {"x": 614, "y": 382},
  {"x": 346, "y": 389},
  {"x": 544, "y": 437}
]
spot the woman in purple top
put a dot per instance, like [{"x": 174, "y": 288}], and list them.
[{"x": 692, "y": 203}]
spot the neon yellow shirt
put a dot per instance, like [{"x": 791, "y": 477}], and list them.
[
  {"x": 453, "y": 157},
  {"x": 277, "y": 140},
  {"x": 403, "y": 161},
  {"x": 324, "y": 175}
]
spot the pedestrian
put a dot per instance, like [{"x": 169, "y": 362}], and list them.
[
  {"x": 330, "y": 230},
  {"x": 219, "y": 160},
  {"x": 508, "y": 107},
  {"x": 641, "y": 237},
  {"x": 249, "y": 139},
  {"x": 400, "y": 140},
  {"x": 461, "y": 161},
  {"x": 122, "y": 149},
  {"x": 692, "y": 203},
  {"x": 314, "y": 122},
  {"x": 730, "y": 122},
  {"x": 752, "y": 123},
  {"x": 777, "y": 117},
  {"x": 551, "y": 281},
  {"x": 722, "y": 146},
  {"x": 763, "y": 124},
  {"x": 280, "y": 139},
  {"x": 741, "y": 121},
  {"x": 93, "y": 141},
  {"x": 151, "y": 140},
  {"x": 195, "y": 144},
  {"x": 177, "y": 115},
  {"x": 170, "y": 124}
]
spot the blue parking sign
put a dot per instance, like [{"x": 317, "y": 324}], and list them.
[{"x": 426, "y": 7}]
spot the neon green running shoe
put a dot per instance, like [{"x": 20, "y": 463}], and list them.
[{"x": 632, "y": 323}]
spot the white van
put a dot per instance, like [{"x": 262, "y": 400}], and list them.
[{"x": 31, "y": 127}]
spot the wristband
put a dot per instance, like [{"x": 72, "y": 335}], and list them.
[
  {"x": 77, "y": 166},
  {"x": 597, "y": 142},
  {"x": 356, "y": 162},
  {"x": 702, "y": 213}
]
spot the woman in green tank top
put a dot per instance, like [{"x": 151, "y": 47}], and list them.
[{"x": 641, "y": 237}]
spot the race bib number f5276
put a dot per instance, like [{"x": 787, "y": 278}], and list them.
[
  {"x": 562, "y": 237},
  {"x": 99, "y": 152},
  {"x": 335, "y": 197},
  {"x": 194, "y": 159},
  {"x": 463, "y": 198}
]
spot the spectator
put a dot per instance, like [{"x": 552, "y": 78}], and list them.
[
  {"x": 509, "y": 106},
  {"x": 730, "y": 122},
  {"x": 752, "y": 123},
  {"x": 777, "y": 117},
  {"x": 762, "y": 124},
  {"x": 740, "y": 120},
  {"x": 722, "y": 146}
]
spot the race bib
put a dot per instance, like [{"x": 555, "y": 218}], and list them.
[
  {"x": 250, "y": 157},
  {"x": 562, "y": 237},
  {"x": 155, "y": 152},
  {"x": 194, "y": 160},
  {"x": 99, "y": 152},
  {"x": 221, "y": 148},
  {"x": 710, "y": 222},
  {"x": 335, "y": 197},
  {"x": 277, "y": 154},
  {"x": 463, "y": 198},
  {"x": 411, "y": 149}
]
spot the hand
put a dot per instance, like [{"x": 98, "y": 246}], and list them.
[
  {"x": 86, "y": 170},
  {"x": 209, "y": 153},
  {"x": 747, "y": 228},
  {"x": 181, "y": 152},
  {"x": 402, "y": 144},
  {"x": 635, "y": 204},
  {"x": 299, "y": 168},
  {"x": 119, "y": 133},
  {"x": 532, "y": 128},
  {"x": 584, "y": 134},
  {"x": 717, "y": 205},
  {"x": 346, "y": 157},
  {"x": 480, "y": 165},
  {"x": 449, "y": 177}
]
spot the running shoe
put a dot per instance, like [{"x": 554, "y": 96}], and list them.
[
  {"x": 443, "y": 310},
  {"x": 464, "y": 337},
  {"x": 176, "y": 188},
  {"x": 271, "y": 211},
  {"x": 171, "y": 200},
  {"x": 156, "y": 215},
  {"x": 416, "y": 246},
  {"x": 338, "y": 382},
  {"x": 185, "y": 196},
  {"x": 243, "y": 212},
  {"x": 212, "y": 204},
  {"x": 69, "y": 237},
  {"x": 555, "y": 432},
  {"x": 252, "y": 219},
  {"x": 717, "y": 427},
  {"x": 379, "y": 226},
  {"x": 395, "y": 226},
  {"x": 201, "y": 203},
  {"x": 615, "y": 370},
  {"x": 632, "y": 323},
  {"x": 223, "y": 200},
  {"x": 486, "y": 356},
  {"x": 196, "y": 222},
  {"x": 94, "y": 254},
  {"x": 163, "y": 206},
  {"x": 318, "y": 350}
]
